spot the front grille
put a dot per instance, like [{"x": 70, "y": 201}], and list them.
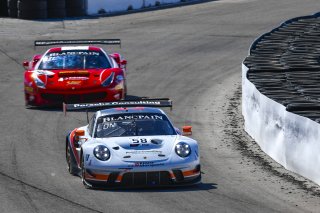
[
  {"x": 146, "y": 178},
  {"x": 89, "y": 97},
  {"x": 53, "y": 97},
  {"x": 94, "y": 96}
]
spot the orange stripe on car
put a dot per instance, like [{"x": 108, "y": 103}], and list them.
[
  {"x": 119, "y": 178},
  {"x": 101, "y": 177},
  {"x": 190, "y": 172}
]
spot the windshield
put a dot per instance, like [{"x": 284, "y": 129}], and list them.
[
  {"x": 74, "y": 59},
  {"x": 124, "y": 125}
]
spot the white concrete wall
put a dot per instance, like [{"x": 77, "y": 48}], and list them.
[
  {"x": 109, "y": 6},
  {"x": 290, "y": 139}
]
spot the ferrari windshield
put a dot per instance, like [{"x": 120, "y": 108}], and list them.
[
  {"x": 124, "y": 125},
  {"x": 74, "y": 59}
]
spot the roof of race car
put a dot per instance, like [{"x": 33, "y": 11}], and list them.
[{"x": 130, "y": 110}]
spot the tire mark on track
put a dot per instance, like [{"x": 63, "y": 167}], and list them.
[
  {"x": 49, "y": 193},
  {"x": 11, "y": 58},
  {"x": 23, "y": 191}
]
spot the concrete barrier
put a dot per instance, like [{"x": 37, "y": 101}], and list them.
[{"x": 290, "y": 139}]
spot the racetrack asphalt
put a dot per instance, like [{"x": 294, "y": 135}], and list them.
[{"x": 193, "y": 55}]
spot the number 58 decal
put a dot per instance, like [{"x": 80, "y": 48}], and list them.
[{"x": 141, "y": 140}]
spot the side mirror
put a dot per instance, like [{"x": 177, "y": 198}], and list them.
[
  {"x": 123, "y": 62},
  {"x": 25, "y": 64},
  {"x": 187, "y": 130},
  {"x": 79, "y": 132}
]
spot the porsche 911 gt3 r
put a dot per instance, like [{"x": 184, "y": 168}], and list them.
[
  {"x": 134, "y": 146},
  {"x": 74, "y": 74}
]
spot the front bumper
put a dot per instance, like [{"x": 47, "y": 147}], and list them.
[
  {"x": 171, "y": 177},
  {"x": 43, "y": 97}
]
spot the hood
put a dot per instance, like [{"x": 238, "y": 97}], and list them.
[
  {"x": 141, "y": 148},
  {"x": 74, "y": 79}
]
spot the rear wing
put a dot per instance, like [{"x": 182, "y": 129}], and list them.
[
  {"x": 159, "y": 102},
  {"x": 77, "y": 42}
]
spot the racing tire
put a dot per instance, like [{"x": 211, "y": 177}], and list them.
[
  {"x": 13, "y": 13},
  {"x": 12, "y": 8},
  {"x": 31, "y": 14},
  {"x": 75, "y": 8},
  {"x": 12, "y": 4},
  {"x": 32, "y": 5},
  {"x": 71, "y": 162},
  {"x": 57, "y": 13},
  {"x": 32, "y": 9},
  {"x": 56, "y": 4},
  {"x": 57, "y": 9},
  {"x": 75, "y": 12},
  {"x": 75, "y": 4},
  {"x": 3, "y": 8}
]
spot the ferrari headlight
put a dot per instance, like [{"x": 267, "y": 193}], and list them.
[
  {"x": 183, "y": 149},
  {"x": 119, "y": 78},
  {"x": 108, "y": 80},
  {"x": 38, "y": 81},
  {"x": 101, "y": 152}
]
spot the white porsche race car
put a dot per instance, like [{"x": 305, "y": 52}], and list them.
[{"x": 133, "y": 145}]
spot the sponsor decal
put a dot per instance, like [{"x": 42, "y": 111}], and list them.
[
  {"x": 87, "y": 157},
  {"x": 143, "y": 152},
  {"x": 64, "y": 53},
  {"x": 73, "y": 82},
  {"x": 116, "y": 103},
  {"x": 75, "y": 78},
  {"x": 132, "y": 117},
  {"x": 73, "y": 72},
  {"x": 146, "y": 164},
  {"x": 126, "y": 169}
]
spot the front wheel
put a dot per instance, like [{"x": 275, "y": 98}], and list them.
[{"x": 71, "y": 162}]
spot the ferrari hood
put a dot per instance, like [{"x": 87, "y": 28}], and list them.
[{"x": 142, "y": 148}]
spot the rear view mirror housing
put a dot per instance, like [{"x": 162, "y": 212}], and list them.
[
  {"x": 25, "y": 64},
  {"x": 187, "y": 130},
  {"x": 123, "y": 62},
  {"x": 78, "y": 133}
]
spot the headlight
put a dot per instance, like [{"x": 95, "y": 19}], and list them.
[
  {"x": 101, "y": 152},
  {"x": 38, "y": 82},
  {"x": 108, "y": 80},
  {"x": 119, "y": 78},
  {"x": 183, "y": 149}
]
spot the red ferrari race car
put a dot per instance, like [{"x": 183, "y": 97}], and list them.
[{"x": 74, "y": 73}]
